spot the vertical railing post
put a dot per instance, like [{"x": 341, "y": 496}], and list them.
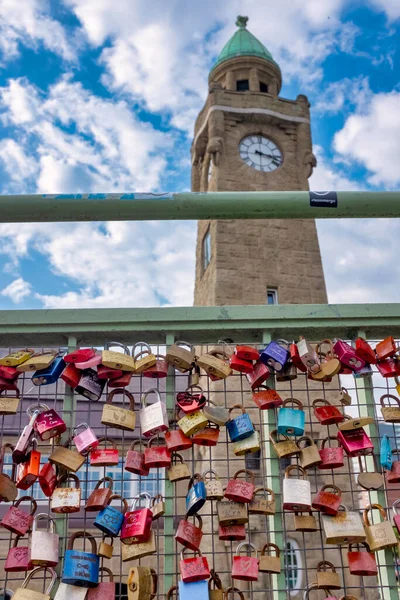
[{"x": 169, "y": 541}]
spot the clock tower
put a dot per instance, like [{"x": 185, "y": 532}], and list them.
[{"x": 248, "y": 138}]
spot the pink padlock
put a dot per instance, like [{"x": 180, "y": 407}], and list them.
[
  {"x": 347, "y": 356},
  {"x": 86, "y": 441},
  {"x": 49, "y": 424},
  {"x": 90, "y": 363},
  {"x": 355, "y": 442}
]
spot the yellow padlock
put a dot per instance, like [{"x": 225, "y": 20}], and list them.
[{"x": 191, "y": 424}]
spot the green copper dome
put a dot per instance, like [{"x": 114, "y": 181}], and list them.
[{"x": 243, "y": 43}]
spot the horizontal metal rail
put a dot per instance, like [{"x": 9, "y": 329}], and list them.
[{"x": 193, "y": 206}]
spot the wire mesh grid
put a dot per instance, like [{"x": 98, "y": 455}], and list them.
[{"x": 300, "y": 551}]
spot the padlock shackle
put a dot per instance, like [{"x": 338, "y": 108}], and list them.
[
  {"x": 292, "y": 401},
  {"x": 242, "y": 545},
  {"x": 333, "y": 487},
  {"x": 212, "y": 472},
  {"x": 137, "y": 499},
  {"x": 124, "y": 392},
  {"x": 36, "y": 570},
  {"x": 395, "y": 505},
  {"x": 319, "y": 401},
  {"x": 143, "y": 400},
  {"x": 84, "y": 535},
  {"x": 306, "y": 438},
  {"x": 108, "y": 571},
  {"x": 265, "y": 489},
  {"x": 107, "y": 480},
  {"x": 297, "y": 468},
  {"x": 194, "y": 477},
  {"x": 274, "y": 437},
  {"x": 370, "y": 507},
  {"x": 220, "y": 353},
  {"x": 177, "y": 455},
  {"x": 109, "y": 345},
  {"x": 31, "y": 500},
  {"x": 172, "y": 590},
  {"x": 270, "y": 545},
  {"x": 44, "y": 517},
  {"x": 214, "y": 578},
  {"x": 142, "y": 443},
  {"x": 368, "y": 549},
  {"x": 195, "y": 516},
  {"x": 119, "y": 497},
  {"x": 85, "y": 425},
  {"x": 67, "y": 477},
  {"x": 246, "y": 472},
  {"x": 106, "y": 438},
  {"x": 321, "y": 566},
  {"x": 198, "y": 551},
  {"x": 314, "y": 586},
  {"x": 390, "y": 397},
  {"x": 155, "y": 498},
  {"x": 157, "y": 437},
  {"x": 328, "y": 438},
  {"x": 140, "y": 345},
  {"x": 233, "y": 590},
  {"x": 183, "y": 343},
  {"x": 239, "y": 406},
  {"x": 36, "y": 408}
]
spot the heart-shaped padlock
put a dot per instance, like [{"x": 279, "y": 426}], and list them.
[{"x": 189, "y": 401}]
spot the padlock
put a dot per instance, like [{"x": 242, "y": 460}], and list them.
[
  {"x": 106, "y": 550},
  {"x": 216, "y": 414},
  {"x": 121, "y": 381},
  {"x": 355, "y": 442},
  {"x": 50, "y": 374},
  {"x": 262, "y": 506},
  {"x": 80, "y": 355},
  {"x": 345, "y": 397},
  {"x": 328, "y": 502},
  {"x": 241, "y": 491},
  {"x": 215, "y": 588},
  {"x": 385, "y": 454},
  {"x": 309, "y": 455},
  {"x": 360, "y": 563},
  {"x": 178, "y": 472},
  {"x": 21, "y": 447},
  {"x": 240, "y": 427},
  {"x": 291, "y": 421},
  {"x": 9, "y": 373},
  {"x": 159, "y": 370},
  {"x": 71, "y": 375},
  {"x": 248, "y": 445},
  {"x": 327, "y": 577},
  {"x": 90, "y": 363},
  {"x": 153, "y": 418},
  {"x": 37, "y": 362},
  {"x": 378, "y": 535},
  {"x": 268, "y": 563},
  {"x": 44, "y": 544},
  {"x": 90, "y": 385},
  {"x": 391, "y": 414},
  {"x": 47, "y": 479},
  {"x": 176, "y": 440},
  {"x": 66, "y": 500},
  {"x": 288, "y": 373},
  {"x": 328, "y": 596},
  {"x": 276, "y": 354},
  {"x": 196, "y": 495},
  {"x": 193, "y": 569},
  {"x": 157, "y": 506},
  {"x": 207, "y": 437},
  {"x": 117, "y": 360},
  {"x": 386, "y": 348},
  {"x": 266, "y": 398},
  {"x": 296, "y": 492},
  {"x": 81, "y": 568},
  {"x": 189, "y": 534},
  {"x": 181, "y": 355},
  {"x": 191, "y": 400},
  {"x": 245, "y": 568},
  {"x": 285, "y": 447},
  {"x": 70, "y": 592},
  {"x": 240, "y": 364},
  {"x": 330, "y": 366},
  {"x": 24, "y": 593},
  {"x": 18, "y": 558},
  {"x": 117, "y": 416},
  {"x": 233, "y": 590},
  {"x": 8, "y": 489},
  {"x": 68, "y": 459},
  {"x": 99, "y": 498},
  {"x": 259, "y": 375},
  {"x": 139, "y": 549},
  {"x": 393, "y": 476},
  {"x": 232, "y": 513},
  {"x": 48, "y": 424},
  {"x": 304, "y": 522},
  {"x": 216, "y": 367},
  {"x": 347, "y": 356},
  {"x": 388, "y": 368},
  {"x": 110, "y": 519},
  {"x": 396, "y": 517},
  {"x": 137, "y": 522},
  {"x": 193, "y": 423},
  {"x": 18, "y": 521},
  {"x": 369, "y": 480},
  {"x": 295, "y": 358},
  {"x": 350, "y": 423},
  {"x": 343, "y": 528},
  {"x": 134, "y": 462},
  {"x": 9, "y": 404},
  {"x": 308, "y": 356},
  {"x": 331, "y": 457},
  {"x": 16, "y": 358},
  {"x": 86, "y": 441},
  {"x": 157, "y": 456},
  {"x": 326, "y": 414},
  {"x": 28, "y": 471},
  {"x": 197, "y": 590},
  {"x": 214, "y": 489},
  {"x": 194, "y": 375},
  {"x": 143, "y": 357},
  {"x": 364, "y": 351},
  {"x": 109, "y": 373},
  {"x": 247, "y": 352},
  {"x": 142, "y": 583},
  {"x": 232, "y": 533},
  {"x": 105, "y": 457}
]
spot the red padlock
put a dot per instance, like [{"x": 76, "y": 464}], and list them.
[
  {"x": 389, "y": 367},
  {"x": 396, "y": 517},
  {"x": 9, "y": 373},
  {"x": 193, "y": 569},
  {"x": 266, "y": 398},
  {"x": 189, "y": 401},
  {"x": 393, "y": 476},
  {"x": 240, "y": 364},
  {"x": 104, "y": 372},
  {"x": 8, "y": 385},
  {"x": 134, "y": 462},
  {"x": 18, "y": 521},
  {"x": 137, "y": 522},
  {"x": 328, "y": 502},
  {"x": 386, "y": 348},
  {"x": 156, "y": 457},
  {"x": 241, "y": 491},
  {"x": 49, "y": 424},
  {"x": 28, "y": 471},
  {"x": 245, "y": 568},
  {"x": 295, "y": 358},
  {"x": 47, "y": 479},
  {"x": 120, "y": 381},
  {"x": 331, "y": 457},
  {"x": 259, "y": 374},
  {"x": 327, "y": 414},
  {"x": 355, "y": 442},
  {"x": 18, "y": 558},
  {"x": 364, "y": 351},
  {"x": 105, "y": 457},
  {"x": 81, "y": 355},
  {"x": 188, "y": 534},
  {"x": 247, "y": 352},
  {"x": 207, "y": 437},
  {"x": 71, "y": 375},
  {"x": 159, "y": 370},
  {"x": 232, "y": 533},
  {"x": 362, "y": 564},
  {"x": 176, "y": 440}
]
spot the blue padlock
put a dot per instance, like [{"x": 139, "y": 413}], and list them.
[
  {"x": 275, "y": 355},
  {"x": 240, "y": 427},
  {"x": 110, "y": 519},
  {"x": 81, "y": 568},
  {"x": 197, "y": 590},
  {"x": 291, "y": 421},
  {"x": 196, "y": 495},
  {"x": 51, "y": 373}
]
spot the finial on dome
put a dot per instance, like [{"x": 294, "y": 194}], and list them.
[{"x": 241, "y": 22}]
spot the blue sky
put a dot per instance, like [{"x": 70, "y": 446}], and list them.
[{"x": 102, "y": 96}]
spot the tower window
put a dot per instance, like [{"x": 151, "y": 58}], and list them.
[
  {"x": 293, "y": 569},
  {"x": 272, "y": 296},
  {"x": 206, "y": 250},
  {"x": 263, "y": 87},
  {"x": 242, "y": 85}
]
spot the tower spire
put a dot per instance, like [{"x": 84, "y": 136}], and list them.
[{"x": 241, "y": 22}]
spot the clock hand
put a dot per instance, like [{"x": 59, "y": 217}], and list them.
[{"x": 274, "y": 158}]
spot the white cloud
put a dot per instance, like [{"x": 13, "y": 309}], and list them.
[
  {"x": 390, "y": 7},
  {"x": 371, "y": 138},
  {"x": 17, "y": 290},
  {"x": 17, "y": 163},
  {"x": 343, "y": 93}
]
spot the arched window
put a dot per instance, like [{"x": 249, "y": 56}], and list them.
[{"x": 294, "y": 573}]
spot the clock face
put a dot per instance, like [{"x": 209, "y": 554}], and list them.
[{"x": 260, "y": 153}]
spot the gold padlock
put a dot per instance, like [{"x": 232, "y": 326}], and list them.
[
  {"x": 309, "y": 455},
  {"x": 106, "y": 550},
  {"x": 117, "y": 360},
  {"x": 248, "y": 445},
  {"x": 157, "y": 506},
  {"x": 23, "y": 593},
  {"x": 178, "y": 472},
  {"x": 391, "y": 414},
  {"x": 232, "y": 513},
  {"x": 345, "y": 397},
  {"x": 68, "y": 459},
  {"x": 262, "y": 506},
  {"x": 343, "y": 528},
  {"x": 304, "y": 522},
  {"x": 142, "y": 583},
  {"x": 285, "y": 447},
  {"x": 214, "y": 489},
  {"x": 378, "y": 535},
  {"x": 9, "y": 404},
  {"x": 215, "y": 589},
  {"x": 192, "y": 423},
  {"x": 213, "y": 365},
  {"x": 16, "y": 358},
  {"x": 181, "y": 355},
  {"x": 37, "y": 362},
  {"x": 144, "y": 359},
  {"x": 350, "y": 423},
  {"x": 117, "y": 416},
  {"x": 268, "y": 563},
  {"x": 139, "y": 550},
  {"x": 327, "y": 578}
]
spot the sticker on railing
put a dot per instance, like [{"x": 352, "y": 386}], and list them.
[{"x": 323, "y": 199}]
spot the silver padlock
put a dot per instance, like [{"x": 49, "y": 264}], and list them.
[
  {"x": 44, "y": 544},
  {"x": 70, "y": 592},
  {"x": 153, "y": 417}
]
